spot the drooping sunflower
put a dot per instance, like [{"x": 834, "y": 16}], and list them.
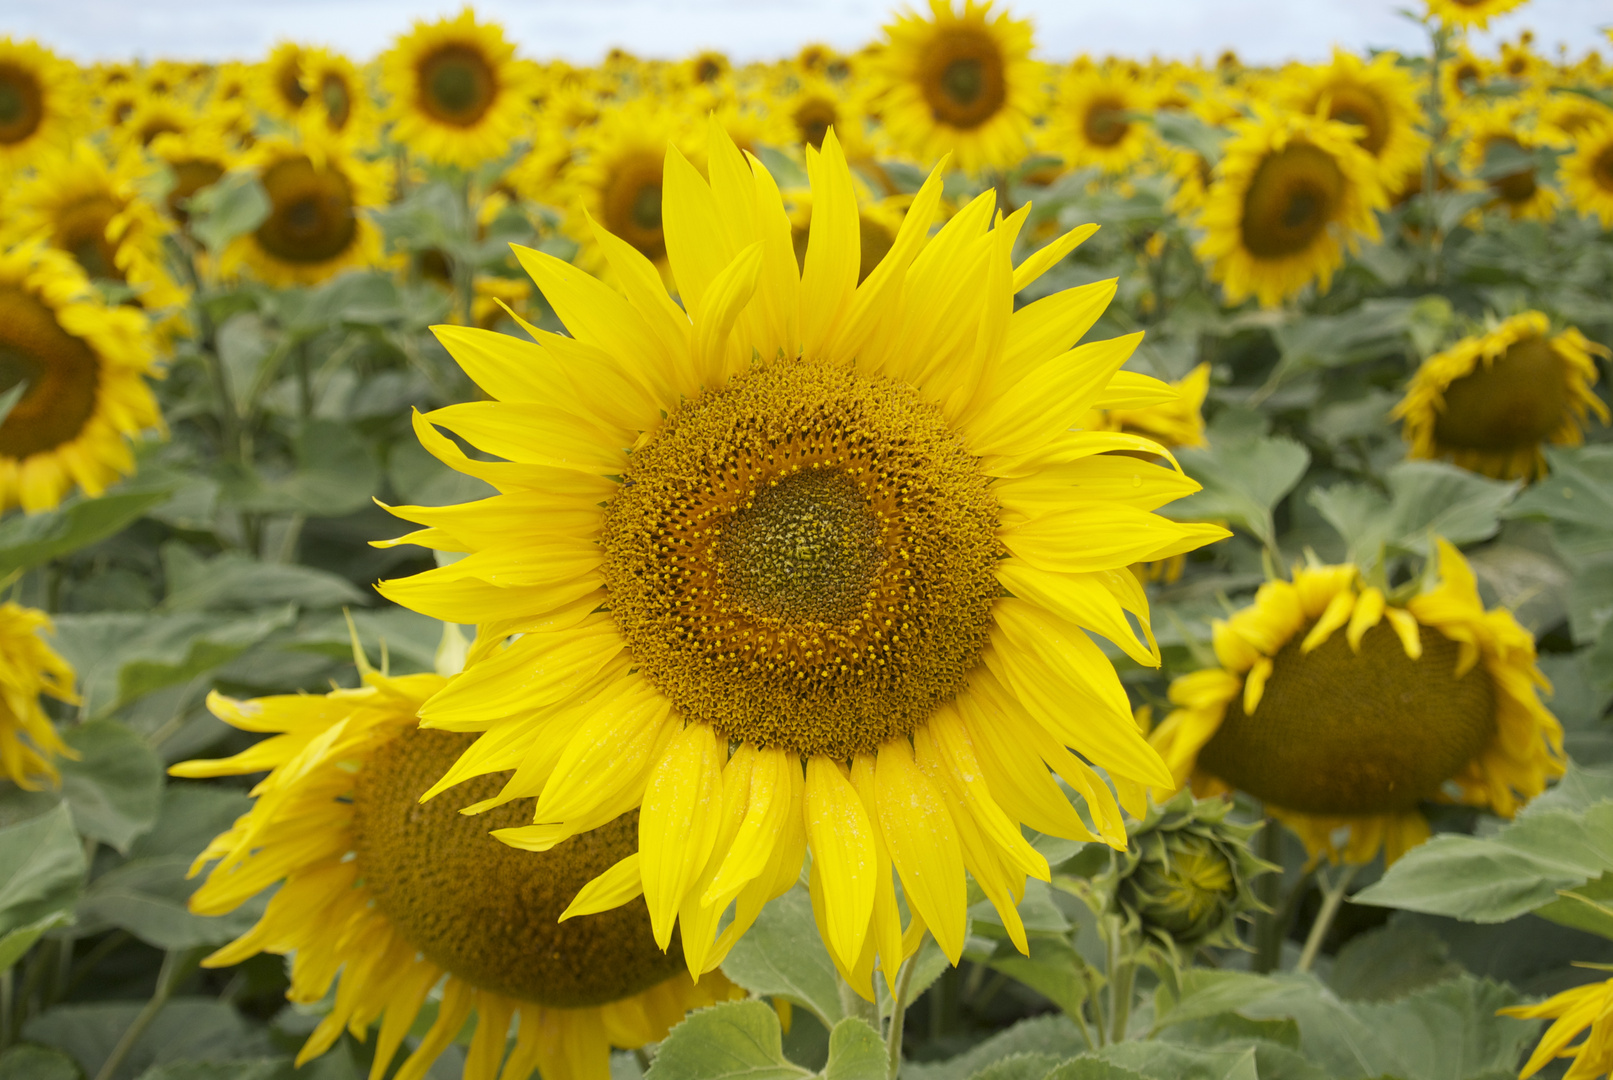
[
  {"x": 86, "y": 366},
  {"x": 1379, "y": 98},
  {"x": 1587, "y": 173},
  {"x": 40, "y": 102},
  {"x": 784, "y": 620},
  {"x": 616, "y": 180},
  {"x": 92, "y": 209},
  {"x": 1093, "y": 121},
  {"x": 1583, "y": 1009},
  {"x": 458, "y": 96},
  {"x": 959, "y": 83},
  {"x": 398, "y": 897},
  {"x": 1492, "y": 400},
  {"x": 1290, "y": 193},
  {"x": 1470, "y": 13},
  {"x": 317, "y": 226},
  {"x": 29, "y": 668},
  {"x": 1343, "y": 712}
]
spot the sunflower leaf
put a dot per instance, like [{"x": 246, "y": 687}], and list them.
[
  {"x": 782, "y": 956},
  {"x": 1424, "y": 498},
  {"x": 114, "y": 786},
  {"x": 1244, "y": 479},
  {"x": 27, "y": 540},
  {"x": 737, "y": 1039},
  {"x": 230, "y": 208},
  {"x": 856, "y": 1052}
]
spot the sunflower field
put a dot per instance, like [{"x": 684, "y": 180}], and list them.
[{"x": 922, "y": 562}]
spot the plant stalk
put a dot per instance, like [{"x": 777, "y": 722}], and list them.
[
  {"x": 899, "y": 1004},
  {"x": 175, "y": 966},
  {"x": 1332, "y": 899},
  {"x": 1269, "y": 924}
]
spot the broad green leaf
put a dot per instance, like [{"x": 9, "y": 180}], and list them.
[
  {"x": 1389, "y": 962},
  {"x": 1576, "y": 497},
  {"x": 1588, "y": 907},
  {"x": 1374, "y": 329},
  {"x": 1425, "y": 497},
  {"x": 1090, "y": 1067},
  {"x": 233, "y": 206},
  {"x": 856, "y": 1052},
  {"x": 335, "y": 475},
  {"x": 782, "y": 956},
  {"x": 1054, "y": 1036},
  {"x": 1495, "y": 878},
  {"x": 263, "y": 1069},
  {"x": 1202, "y": 993},
  {"x": 36, "y": 1063},
  {"x": 1022, "y": 1066},
  {"x": 1244, "y": 479},
  {"x": 234, "y": 581},
  {"x": 114, "y": 786},
  {"x": 244, "y": 348},
  {"x": 1170, "y": 1062},
  {"x": 41, "y": 868},
  {"x": 1181, "y": 128},
  {"x": 357, "y": 297},
  {"x": 15, "y": 943},
  {"x": 737, "y": 1039},
  {"x": 30, "y": 539},
  {"x": 1053, "y": 969},
  {"x": 147, "y": 897},
  {"x": 187, "y": 1029}
]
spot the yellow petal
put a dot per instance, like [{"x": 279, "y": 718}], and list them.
[
  {"x": 1335, "y": 615},
  {"x": 923, "y": 844},
  {"x": 1368, "y": 613},
  {"x": 678, "y": 821},
  {"x": 1134, "y": 390},
  {"x": 531, "y": 672},
  {"x": 591, "y": 310},
  {"x": 717, "y": 312},
  {"x": 1044, "y": 328},
  {"x": 535, "y": 435},
  {"x": 843, "y": 855},
  {"x": 834, "y": 247},
  {"x": 1254, "y": 684},
  {"x": 1078, "y": 598},
  {"x": 610, "y": 753},
  {"x": 1045, "y": 258},
  {"x": 1405, "y": 624},
  {"x": 767, "y": 809},
  {"x": 696, "y": 235}
]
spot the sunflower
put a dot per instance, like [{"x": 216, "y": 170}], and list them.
[
  {"x": 317, "y": 226},
  {"x": 399, "y": 897},
  {"x": 1290, "y": 193},
  {"x": 39, "y": 102},
  {"x": 198, "y": 158},
  {"x": 617, "y": 182},
  {"x": 1469, "y": 13},
  {"x": 1378, "y": 98},
  {"x": 337, "y": 96},
  {"x": 1462, "y": 75},
  {"x": 1094, "y": 119},
  {"x": 780, "y": 623},
  {"x": 706, "y": 68},
  {"x": 85, "y": 365},
  {"x": 1342, "y": 711},
  {"x": 28, "y": 668},
  {"x": 963, "y": 84},
  {"x": 1491, "y": 401},
  {"x": 805, "y": 116},
  {"x": 1572, "y": 1012},
  {"x": 154, "y": 116},
  {"x": 458, "y": 97},
  {"x": 1501, "y": 128},
  {"x": 81, "y": 204},
  {"x": 276, "y": 87},
  {"x": 878, "y": 223},
  {"x": 1587, "y": 173}
]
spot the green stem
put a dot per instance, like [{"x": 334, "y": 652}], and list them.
[
  {"x": 7, "y": 1006},
  {"x": 899, "y": 1003},
  {"x": 854, "y": 1004},
  {"x": 1436, "y": 136},
  {"x": 1269, "y": 924},
  {"x": 1332, "y": 899},
  {"x": 175, "y": 966},
  {"x": 1121, "y": 984}
]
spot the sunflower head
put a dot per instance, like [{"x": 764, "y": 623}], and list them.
[
  {"x": 38, "y": 101},
  {"x": 1344, "y": 711},
  {"x": 1492, "y": 400},
  {"x": 1461, "y": 14},
  {"x": 458, "y": 96},
  {"x": 1095, "y": 122},
  {"x": 1378, "y": 99},
  {"x": 29, "y": 669},
  {"x": 1587, "y": 173}
]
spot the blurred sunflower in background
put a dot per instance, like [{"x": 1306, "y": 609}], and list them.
[
  {"x": 29, "y": 668},
  {"x": 391, "y": 898},
  {"x": 1343, "y": 711},
  {"x": 276, "y": 84},
  {"x": 1499, "y": 142},
  {"x": 1587, "y": 173},
  {"x": 1490, "y": 402},
  {"x": 1095, "y": 119},
  {"x": 40, "y": 102},
  {"x": 616, "y": 182},
  {"x": 337, "y": 96},
  {"x": 1463, "y": 14},
  {"x": 801, "y": 565},
  {"x": 316, "y": 227},
  {"x": 1290, "y": 194},
  {"x": 1377, "y": 97},
  {"x": 958, "y": 83},
  {"x": 85, "y": 365},
  {"x": 878, "y": 223},
  {"x": 458, "y": 96},
  {"x": 197, "y": 158}
]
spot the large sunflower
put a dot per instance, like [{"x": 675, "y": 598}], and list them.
[
  {"x": 1291, "y": 192},
  {"x": 1491, "y": 401},
  {"x": 784, "y": 620},
  {"x": 317, "y": 226},
  {"x": 1342, "y": 711},
  {"x": 1470, "y": 13},
  {"x": 961, "y": 84},
  {"x": 40, "y": 102},
  {"x": 1094, "y": 119},
  {"x": 1378, "y": 98},
  {"x": 458, "y": 96},
  {"x": 1587, "y": 173},
  {"x": 29, "y": 743},
  {"x": 85, "y": 365},
  {"x": 398, "y": 897}
]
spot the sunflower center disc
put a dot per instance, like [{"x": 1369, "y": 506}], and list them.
[
  {"x": 1512, "y": 187},
  {"x": 1293, "y": 195},
  {"x": 1513, "y": 402},
  {"x": 804, "y": 559},
  {"x": 337, "y": 101},
  {"x": 963, "y": 80},
  {"x": 1105, "y": 123},
  {"x": 1356, "y": 105},
  {"x": 311, "y": 215},
  {"x": 1602, "y": 170},
  {"x": 189, "y": 178},
  {"x": 485, "y": 911},
  {"x": 632, "y": 203},
  {"x": 21, "y": 104},
  {"x": 81, "y": 231},
  {"x": 813, "y": 120},
  {"x": 61, "y": 372},
  {"x": 457, "y": 85},
  {"x": 1341, "y": 733}
]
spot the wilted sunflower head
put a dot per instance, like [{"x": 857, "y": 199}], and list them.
[
  {"x": 1342, "y": 710},
  {"x": 407, "y": 893},
  {"x": 1492, "y": 400}
]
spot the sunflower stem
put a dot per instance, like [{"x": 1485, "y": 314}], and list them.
[
  {"x": 176, "y": 964},
  {"x": 1332, "y": 899},
  {"x": 1436, "y": 136},
  {"x": 854, "y": 1004},
  {"x": 1121, "y": 983},
  {"x": 899, "y": 1003},
  {"x": 1270, "y": 923}
]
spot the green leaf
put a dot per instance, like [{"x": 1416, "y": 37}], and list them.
[
  {"x": 237, "y": 581},
  {"x": 1053, "y": 969},
  {"x": 1203, "y": 993},
  {"x": 1370, "y": 331},
  {"x": 1424, "y": 497},
  {"x": 782, "y": 956},
  {"x": 1391, "y": 961},
  {"x": 187, "y": 1029},
  {"x": 1576, "y": 498},
  {"x": 336, "y": 475},
  {"x": 147, "y": 897},
  {"x": 17, "y": 942},
  {"x": 1181, "y": 128},
  {"x": 1089, "y": 1067},
  {"x": 41, "y": 868},
  {"x": 261, "y": 1069},
  {"x": 233, "y": 206},
  {"x": 1244, "y": 479},
  {"x": 735, "y": 1039},
  {"x": 1491, "y": 879},
  {"x": 1169, "y": 1062},
  {"x": 244, "y": 349},
  {"x": 856, "y": 1052},
  {"x": 27, "y": 540},
  {"x": 36, "y": 1063},
  {"x": 1055, "y": 1036},
  {"x": 1022, "y": 1066},
  {"x": 115, "y": 786},
  {"x": 1588, "y": 907}
]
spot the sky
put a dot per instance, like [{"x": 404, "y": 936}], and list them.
[{"x": 1262, "y": 31}]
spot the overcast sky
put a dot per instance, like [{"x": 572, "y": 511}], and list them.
[{"x": 581, "y": 30}]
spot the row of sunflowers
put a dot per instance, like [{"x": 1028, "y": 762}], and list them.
[{"x": 923, "y": 561}]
